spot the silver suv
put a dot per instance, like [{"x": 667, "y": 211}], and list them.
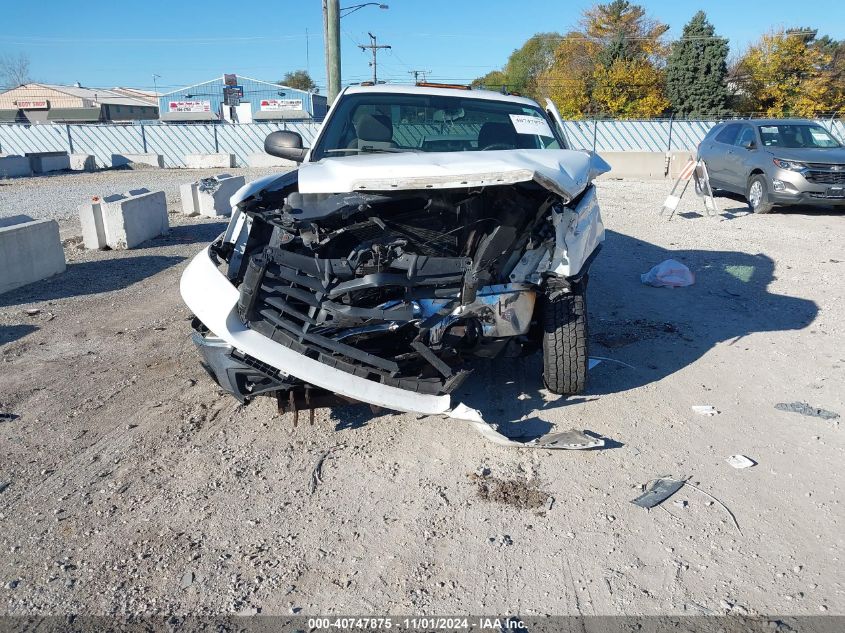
[{"x": 776, "y": 162}]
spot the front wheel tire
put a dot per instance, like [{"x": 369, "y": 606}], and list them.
[
  {"x": 758, "y": 194},
  {"x": 565, "y": 343}
]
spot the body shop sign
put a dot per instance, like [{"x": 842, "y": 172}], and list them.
[
  {"x": 274, "y": 105},
  {"x": 38, "y": 104},
  {"x": 189, "y": 106}
]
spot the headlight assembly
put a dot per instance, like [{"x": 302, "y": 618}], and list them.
[{"x": 788, "y": 164}]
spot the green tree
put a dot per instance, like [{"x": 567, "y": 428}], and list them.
[
  {"x": 622, "y": 21},
  {"x": 527, "y": 63},
  {"x": 299, "y": 79},
  {"x": 696, "y": 71},
  {"x": 494, "y": 80},
  {"x": 524, "y": 66}
]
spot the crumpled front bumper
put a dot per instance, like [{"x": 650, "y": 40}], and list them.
[{"x": 213, "y": 299}]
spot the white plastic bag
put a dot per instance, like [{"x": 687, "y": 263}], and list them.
[{"x": 669, "y": 273}]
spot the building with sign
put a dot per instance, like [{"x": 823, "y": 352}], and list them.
[
  {"x": 236, "y": 99},
  {"x": 52, "y": 103}
]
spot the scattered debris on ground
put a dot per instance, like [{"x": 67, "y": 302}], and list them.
[
  {"x": 704, "y": 409},
  {"x": 614, "y": 334},
  {"x": 187, "y": 580},
  {"x": 573, "y": 440},
  {"x": 664, "y": 487},
  {"x": 660, "y": 490},
  {"x": 669, "y": 274},
  {"x": 8, "y": 417},
  {"x": 740, "y": 461},
  {"x": 805, "y": 409},
  {"x": 317, "y": 473},
  {"x": 520, "y": 493}
]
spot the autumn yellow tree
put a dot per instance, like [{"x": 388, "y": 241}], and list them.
[
  {"x": 630, "y": 88},
  {"x": 568, "y": 81},
  {"x": 611, "y": 66},
  {"x": 785, "y": 74}
]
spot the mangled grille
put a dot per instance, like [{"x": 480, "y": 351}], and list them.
[{"x": 324, "y": 310}]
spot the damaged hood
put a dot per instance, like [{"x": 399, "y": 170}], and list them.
[{"x": 565, "y": 172}]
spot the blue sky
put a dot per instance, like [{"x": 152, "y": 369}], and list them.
[{"x": 113, "y": 43}]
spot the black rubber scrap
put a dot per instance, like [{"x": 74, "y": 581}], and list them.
[
  {"x": 8, "y": 417},
  {"x": 805, "y": 409}
]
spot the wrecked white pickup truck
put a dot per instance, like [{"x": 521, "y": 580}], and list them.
[{"x": 426, "y": 227}]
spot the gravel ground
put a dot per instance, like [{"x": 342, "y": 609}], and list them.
[
  {"x": 57, "y": 196},
  {"x": 136, "y": 487}
]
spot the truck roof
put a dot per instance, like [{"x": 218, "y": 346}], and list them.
[{"x": 483, "y": 95}]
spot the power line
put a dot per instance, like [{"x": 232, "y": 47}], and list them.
[
  {"x": 375, "y": 47},
  {"x": 417, "y": 73}
]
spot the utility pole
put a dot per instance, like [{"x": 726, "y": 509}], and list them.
[
  {"x": 374, "y": 46},
  {"x": 417, "y": 73},
  {"x": 331, "y": 33}
]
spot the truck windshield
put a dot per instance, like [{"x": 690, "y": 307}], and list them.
[
  {"x": 796, "y": 135},
  {"x": 390, "y": 122}
]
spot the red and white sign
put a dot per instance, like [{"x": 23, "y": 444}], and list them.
[
  {"x": 189, "y": 106},
  {"x": 40, "y": 104},
  {"x": 274, "y": 105}
]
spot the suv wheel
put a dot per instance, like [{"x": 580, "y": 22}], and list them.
[
  {"x": 565, "y": 342},
  {"x": 758, "y": 194}
]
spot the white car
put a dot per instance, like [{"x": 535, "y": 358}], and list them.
[{"x": 379, "y": 270}]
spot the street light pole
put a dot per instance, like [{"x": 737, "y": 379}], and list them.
[
  {"x": 331, "y": 34},
  {"x": 332, "y": 22}
]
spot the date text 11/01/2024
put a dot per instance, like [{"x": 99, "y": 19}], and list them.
[{"x": 421, "y": 623}]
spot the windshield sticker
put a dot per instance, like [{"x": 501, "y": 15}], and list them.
[{"x": 534, "y": 125}]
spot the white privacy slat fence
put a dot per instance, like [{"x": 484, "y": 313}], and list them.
[{"x": 174, "y": 141}]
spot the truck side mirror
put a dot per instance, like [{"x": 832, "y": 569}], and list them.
[{"x": 285, "y": 144}]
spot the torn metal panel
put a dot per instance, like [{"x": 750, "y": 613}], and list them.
[
  {"x": 578, "y": 232},
  {"x": 564, "y": 172},
  {"x": 564, "y": 440},
  {"x": 659, "y": 491}
]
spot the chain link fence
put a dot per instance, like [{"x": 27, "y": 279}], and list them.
[{"x": 174, "y": 141}]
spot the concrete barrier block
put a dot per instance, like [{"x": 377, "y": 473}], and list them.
[
  {"x": 210, "y": 196},
  {"x": 123, "y": 220},
  {"x": 209, "y": 161},
  {"x": 150, "y": 160},
  {"x": 30, "y": 250},
  {"x": 15, "y": 167},
  {"x": 646, "y": 165},
  {"x": 678, "y": 160},
  {"x": 82, "y": 162},
  {"x": 46, "y": 162},
  {"x": 265, "y": 160},
  {"x": 190, "y": 203}
]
